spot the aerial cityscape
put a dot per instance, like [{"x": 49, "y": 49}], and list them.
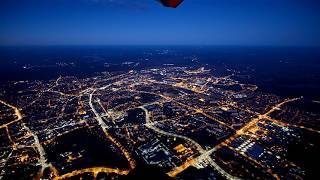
[
  {"x": 166, "y": 89},
  {"x": 183, "y": 120}
]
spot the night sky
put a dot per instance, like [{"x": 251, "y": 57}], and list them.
[{"x": 146, "y": 22}]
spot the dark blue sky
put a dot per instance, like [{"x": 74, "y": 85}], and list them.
[{"x": 146, "y": 22}]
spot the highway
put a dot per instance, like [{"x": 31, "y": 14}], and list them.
[
  {"x": 42, "y": 154},
  {"x": 205, "y": 155},
  {"x": 105, "y": 128}
]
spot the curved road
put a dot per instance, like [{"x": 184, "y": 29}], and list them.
[{"x": 204, "y": 154}]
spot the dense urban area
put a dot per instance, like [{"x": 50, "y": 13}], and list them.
[{"x": 183, "y": 121}]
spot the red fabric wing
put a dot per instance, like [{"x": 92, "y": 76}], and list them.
[{"x": 171, "y": 3}]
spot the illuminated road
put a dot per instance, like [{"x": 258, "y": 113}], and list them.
[
  {"x": 42, "y": 159},
  {"x": 105, "y": 128},
  {"x": 243, "y": 130},
  {"x": 186, "y": 106},
  {"x": 42, "y": 154},
  {"x": 4, "y": 162},
  {"x": 205, "y": 155},
  {"x": 16, "y": 111},
  {"x": 98, "y": 117},
  {"x": 248, "y": 126},
  {"x": 281, "y": 123},
  {"x": 88, "y": 100},
  {"x": 149, "y": 125},
  {"x": 94, "y": 170}
]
